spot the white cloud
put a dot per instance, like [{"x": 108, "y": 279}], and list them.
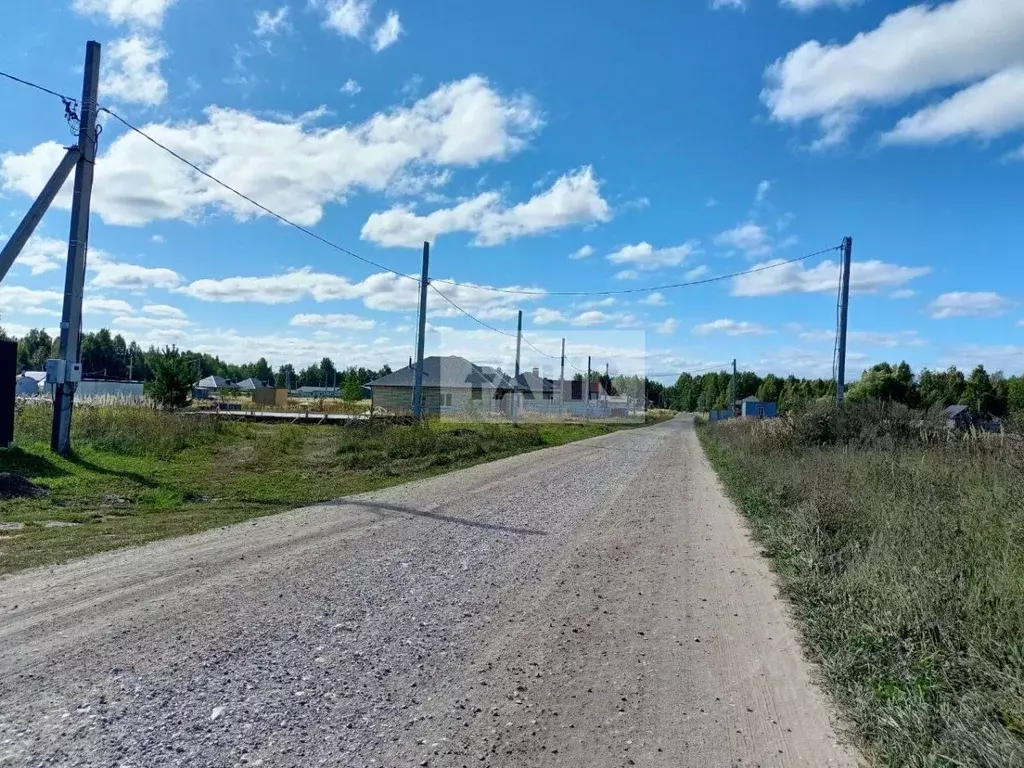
[
  {"x": 100, "y": 305},
  {"x": 914, "y": 51},
  {"x": 627, "y": 274},
  {"x": 902, "y": 293},
  {"x": 969, "y": 304},
  {"x": 131, "y": 71},
  {"x": 351, "y": 87},
  {"x": 1016, "y": 154},
  {"x": 158, "y": 239},
  {"x": 865, "y": 277},
  {"x": 762, "y": 191},
  {"x": 730, "y": 328},
  {"x": 382, "y": 291},
  {"x": 387, "y": 33},
  {"x": 667, "y": 327},
  {"x": 346, "y": 17},
  {"x": 164, "y": 310},
  {"x": 592, "y": 317},
  {"x": 42, "y": 254},
  {"x": 584, "y": 252},
  {"x": 645, "y": 256},
  {"x": 345, "y": 322},
  {"x": 751, "y": 238},
  {"x": 132, "y": 277},
  {"x": 463, "y": 123},
  {"x": 984, "y": 110},
  {"x": 272, "y": 22},
  {"x": 887, "y": 340},
  {"x": 544, "y": 316},
  {"x": 607, "y": 301},
  {"x": 655, "y": 299},
  {"x": 159, "y": 323},
  {"x": 573, "y": 199},
  {"x": 16, "y": 300},
  {"x": 737, "y": 4},
  {"x": 810, "y": 5},
  {"x": 696, "y": 272},
  {"x": 711, "y": 202},
  {"x": 147, "y": 13}
]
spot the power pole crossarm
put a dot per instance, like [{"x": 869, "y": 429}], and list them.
[
  {"x": 28, "y": 224},
  {"x": 843, "y": 315},
  {"x": 78, "y": 244}
]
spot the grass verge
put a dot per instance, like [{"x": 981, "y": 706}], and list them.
[
  {"x": 902, "y": 554},
  {"x": 138, "y": 475}
]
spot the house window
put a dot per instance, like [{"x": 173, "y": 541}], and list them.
[
  {"x": 447, "y": 398},
  {"x": 477, "y": 393}
]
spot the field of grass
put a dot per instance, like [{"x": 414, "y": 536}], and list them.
[
  {"x": 901, "y": 550},
  {"x": 138, "y": 475}
]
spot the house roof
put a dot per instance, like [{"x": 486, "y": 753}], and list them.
[
  {"x": 751, "y": 399},
  {"x": 37, "y": 375},
  {"x": 531, "y": 382},
  {"x": 251, "y": 384},
  {"x": 212, "y": 382},
  {"x": 451, "y": 372},
  {"x": 955, "y": 410}
]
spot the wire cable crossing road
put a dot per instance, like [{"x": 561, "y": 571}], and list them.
[{"x": 595, "y": 604}]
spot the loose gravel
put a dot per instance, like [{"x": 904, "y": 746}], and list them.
[{"x": 596, "y": 604}]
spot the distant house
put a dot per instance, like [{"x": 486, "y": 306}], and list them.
[
  {"x": 316, "y": 392},
  {"x": 958, "y": 417},
  {"x": 212, "y": 382},
  {"x": 755, "y": 408},
  {"x": 30, "y": 384},
  {"x": 248, "y": 385},
  {"x": 533, "y": 386},
  {"x": 450, "y": 384}
]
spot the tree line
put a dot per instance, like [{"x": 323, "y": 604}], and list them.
[
  {"x": 109, "y": 356},
  {"x": 988, "y": 394}
]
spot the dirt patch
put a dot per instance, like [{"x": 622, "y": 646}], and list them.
[{"x": 14, "y": 486}]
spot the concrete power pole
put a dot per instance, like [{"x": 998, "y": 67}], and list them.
[
  {"x": 68, "y": 369},
  {"x": 732, "y": 387},
  {"x": 561, "y": 380},
  {"x": 515, "y": 384},
  {"x": 586, "y": 384},
  {"x": 417, "y": 390},
  {"x": 843, "y": 310}
]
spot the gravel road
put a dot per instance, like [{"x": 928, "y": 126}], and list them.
[{"x": 596, "y": 604}]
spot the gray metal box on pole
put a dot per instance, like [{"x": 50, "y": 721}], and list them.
[{"x": 78, "y": 245}]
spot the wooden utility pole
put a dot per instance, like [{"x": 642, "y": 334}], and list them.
[
  {"x": 843, "y": 313},
  {"x": 417, "y": 390},
  {"x": 67, "y": 369},
  {"x": 732, "y": 387},
  {"x": 561, "y": 379}
]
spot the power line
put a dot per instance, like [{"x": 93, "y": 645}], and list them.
[
  {"x": 649, "y": 288},
  {"x": 251, "y": 201},
  {"x": 63, "y": 97},
  {"x": 492, "y": 289}
]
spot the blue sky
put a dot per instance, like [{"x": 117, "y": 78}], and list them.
[{"x": 571, "y": 146}]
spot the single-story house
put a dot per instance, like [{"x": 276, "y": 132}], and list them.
[
  {"x": 451, "y": 384},
  {"x": 212, "y": 382},
  {"x": 755, "y": 408},
  {"x": 958, "y": 417},
  {"x": 30, "y": 384},
  {"x": 248, "y": 385},
  {"x": 316, "y": 392},
  {"x": 533, "y": 386}
]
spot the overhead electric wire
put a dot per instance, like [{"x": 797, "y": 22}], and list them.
[{"x": 38, "y": 87}]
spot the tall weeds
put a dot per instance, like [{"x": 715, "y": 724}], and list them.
[{"x": 901, "y": 546}]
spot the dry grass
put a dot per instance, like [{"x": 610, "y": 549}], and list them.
[{"x": 901, "y": 547}]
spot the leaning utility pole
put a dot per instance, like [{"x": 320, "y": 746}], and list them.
[
  {"x": 732, "y": 387},
  {"x": 515, "y": 384},
  {"x": 843, "y": 310},
  {"x": 417, "y": 390},
  {"x": 561, "y": 380},
  {"x": 68, "y": 369}
]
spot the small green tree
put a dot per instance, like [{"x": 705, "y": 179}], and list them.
[
  {"x": 172, "y": 379},
  {"x": 351, "y": 390}
]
